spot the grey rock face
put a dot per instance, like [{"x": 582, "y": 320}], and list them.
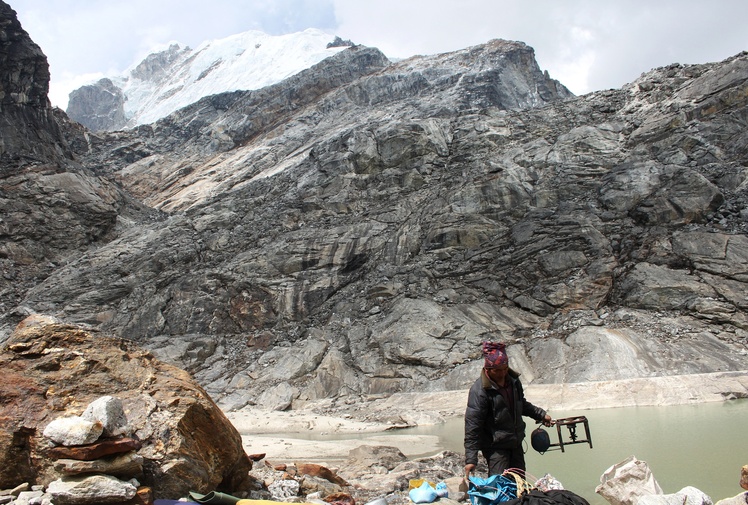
[
  {"x": 50, "y": 206},
  {"x": 154, "y": 66},
  {"x": 99, "y": 106},
  {"x": 28, "y": 128},
  {"x": 361, "y": 227}
]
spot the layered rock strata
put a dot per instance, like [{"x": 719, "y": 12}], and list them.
[{"x": 358, "y": 229}]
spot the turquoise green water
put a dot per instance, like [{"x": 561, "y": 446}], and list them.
[{"x": 702, "y": 445}]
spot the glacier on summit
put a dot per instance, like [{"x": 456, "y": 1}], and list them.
[{"x": 170, "y": 79}]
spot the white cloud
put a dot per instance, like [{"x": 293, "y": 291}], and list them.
[
  {"x": 586, "y": 44},
  {"x": 60, "y": 89}
]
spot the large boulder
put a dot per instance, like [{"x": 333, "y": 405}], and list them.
[{"x": 53, "y": 370}]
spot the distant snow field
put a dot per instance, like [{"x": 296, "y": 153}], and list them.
[{"x": 168, "y": 80}]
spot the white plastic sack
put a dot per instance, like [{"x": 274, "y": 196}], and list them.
[
  {"x": 687, "y": 496},
  {"x": 548, "y": 482},
  {"x": 625, "y": 482}
]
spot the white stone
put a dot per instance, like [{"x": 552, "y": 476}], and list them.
[
  {"x": 283, "y": 490},
  {"x": 108, "y": 411},
  {"x": 90, "y": 489},
  {"x": 27, "y": 497},
  {"x": 73, "y": 431},
  {"x": 627, "y": 482}
]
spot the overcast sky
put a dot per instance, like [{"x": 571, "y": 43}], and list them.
[{"x": 588, "y": 45}]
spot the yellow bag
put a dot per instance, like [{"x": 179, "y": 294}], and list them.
[{"x": 416, "y": 483}]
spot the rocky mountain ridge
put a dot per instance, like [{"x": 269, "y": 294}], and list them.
[{"x": 359, "y": 228}]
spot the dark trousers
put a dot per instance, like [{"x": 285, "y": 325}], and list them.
[{"x": 503, "y": 459}]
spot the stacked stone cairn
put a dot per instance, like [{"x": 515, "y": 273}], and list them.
[{"x": 96, "y": 458}]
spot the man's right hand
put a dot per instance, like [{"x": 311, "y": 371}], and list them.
[{"x": 469, "y": 469}]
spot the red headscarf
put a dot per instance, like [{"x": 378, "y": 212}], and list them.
[{"x": 494, "y": 354}]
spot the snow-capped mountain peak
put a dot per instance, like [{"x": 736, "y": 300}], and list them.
[{"x": 177, "y": 76}]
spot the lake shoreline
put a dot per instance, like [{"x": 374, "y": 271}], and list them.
[{"x": 366, "y": 422}]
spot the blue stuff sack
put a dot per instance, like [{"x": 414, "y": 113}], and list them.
[
  {"x": 423, "y": 494},
  {"x": 492, "y": 490},
  {"x": 441, "y": 490}
]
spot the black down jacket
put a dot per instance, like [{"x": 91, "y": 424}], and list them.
[{"x": 489, "y": 423}]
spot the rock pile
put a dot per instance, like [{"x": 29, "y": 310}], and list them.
[
  {"x": 370, "y": 473},
  {"x": 383, "y": 475},
  {"x": 99, "y": 463},
  {"x": 97, "y": 459}
]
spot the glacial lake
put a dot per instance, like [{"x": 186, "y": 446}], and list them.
[{"x": 702, "y": 445}]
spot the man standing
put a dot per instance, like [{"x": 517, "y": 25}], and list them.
[{"x": 493, "y": 419}]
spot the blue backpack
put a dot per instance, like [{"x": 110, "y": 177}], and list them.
[{"x": 492, "y": 490}]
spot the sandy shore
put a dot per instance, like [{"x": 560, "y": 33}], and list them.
[{"x": 306, "y": 435}]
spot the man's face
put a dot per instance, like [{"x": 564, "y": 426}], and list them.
[{"x": 497, "y": 374}]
